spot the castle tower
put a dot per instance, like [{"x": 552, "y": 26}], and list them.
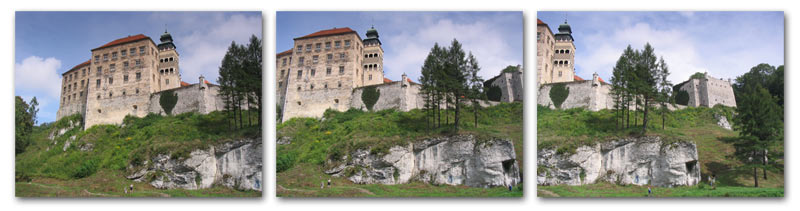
[
  {"x": 544, "y": 52},
  {"x": 564, "y": 55},
  {"x": 168, "y": 74},
  {"x": 373, "y": 59}
]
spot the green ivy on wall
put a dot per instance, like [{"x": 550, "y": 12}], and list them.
[
  {"x": 168, "y": 100},
  {"x": 558, "y": 94},
  {"x": 370, "y": 96}
]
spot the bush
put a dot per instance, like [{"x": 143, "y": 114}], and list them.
[
  {"x": 682, "y": 98},
  {"x": 168, "y": 100},
  {"x": 285, "y": 161},
  {"x": 558, "y": 94},
  {"x": 370, "y": 96}
]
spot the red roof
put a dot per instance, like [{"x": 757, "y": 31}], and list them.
[
  {"x": 86, "y": 63},
  {"x": 386, "y": 80},
  {"x": 284, "y": 53},
  {"x": 184, "y": 84},
  {"x": 601, "y": 79},
  {"x": 328, "y": 32},
  {"x": 124, "y": 40},
  {"x": 577, "y": 78},
  {"x": 539, "y": 21}
]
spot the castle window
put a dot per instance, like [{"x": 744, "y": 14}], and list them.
[
  {"x": 98, "y": 97},
  {"x": 370, "y": 76},
  {"x": 280, "y": 84},
  {"x": 138, "y": 76},
  {"x": 299, "y": 88},
  {"x": 124, "y": 53},
  {"x": 112, "y": 67},
  {"x": 301, "y": 60},
  {"x": 559, "y": 73},
  {"x": 315, "y": 59},
  {"x": 284, "y": 62},
  {"x": 338, "y": 44},
  {"x": 81, "y": 94},
  {"x": 299, "y": 48},
  {"x": 98, "y": 83},
  {"x": 299, "y": 103},
  {"x": 335, "y": 100},
  {"x": 171, "y": 59},
  {"x": 96, "y": 59},
  {"x": 123, "y": 92},
  {"x": 341, "y": 56},
  {"x": 110, "y": 94},
  {"x": 171, "y": 70},
  {"x": 347, "y": 43},
  {"x": 137, "y": 90},
  {"x": 83, "y": 72},
  {"x": 99, "y": 111},
  {"x": 567, "y": 51},
  {"x": 313, "y": 72},
  {"x": 133, "y": 51},
  {"x": 555, "y": 62},
  {"x": 330, "y": 57},
  {"x": 327, "y": 45},
  {"x": 141, "y": 50},
  {"x": 161, "y": 61},
  {"x": 105, "y": 57},
  {"x": 283, "y": 71},
  {"x": 325, "y": 85},
  {"x": 167, "y": 81},
  {"x": 340, "y": 84},
  {"x": 341, "y": 70},
  {"x": 566, "y": 62},
  {"x": 125, "y": 65},
  {"x": 328, "y": 71},
  {"x": 135, "y": 107},
  {"x": 308, "y": 47},
  {"x": 319, "y": 46},
  {"x": 299, "y": 74},
  {"x": 138, "y": 63},
  {"x": 113, "y": 55},
  {"x": 311, "y": 87},
  {"x": 81, "y": 83},
  {"x": 110, "y": 80}
]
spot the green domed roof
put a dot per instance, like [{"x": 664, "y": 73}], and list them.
[{"x": 372, "y": 32}]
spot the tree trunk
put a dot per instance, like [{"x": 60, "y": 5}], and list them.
[
  {"x": 644, "y": 116},
  {"x": 457, "y": 112},
  {"x": 475, "y": 107},
  {"x": 755, "y": 172}
]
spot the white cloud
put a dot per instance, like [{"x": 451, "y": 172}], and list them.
[
  {"x": 677, "y": 48},
  {"x": 206, "y": 42},
  {"x": 38, "y": 76},
  {"x": 485, "y": 38}
]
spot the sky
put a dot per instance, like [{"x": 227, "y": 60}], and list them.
[
  {"x": 724, "y": 44},
  {"x": 495, "y": 38},
  {"x": 50, "y": 43}
]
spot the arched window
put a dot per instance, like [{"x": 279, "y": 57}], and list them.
[{"x": 567, "y": 51}]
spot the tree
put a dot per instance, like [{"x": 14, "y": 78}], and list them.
[
  {"x": 558, "y": 93},
  {"x": 759, "y": 124},
  {"x": 445, "y": 80},
  {"x": 475, "y": 85},
  {"x": 168, "y": 99},
  {"x": 23, "y": 126},
  {"x": 240, "y": 82},
  {"x": 370, "y": 96},
  {"x": 33, "y": 110},
  {"x": 664, "y": 90}
]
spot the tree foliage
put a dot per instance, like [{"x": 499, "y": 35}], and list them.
[
  {"x": 370, "y": 96},
  {"x": 759, "y": 121},
  {"x": 240, "y": 82},
  {"x": 558, "y": 94},
  {"x": 765, "y": 75},
  {"x": 24, "y": 120},
  {"x": 639, "y": 79},
  {"x": 168, "y": 99}
]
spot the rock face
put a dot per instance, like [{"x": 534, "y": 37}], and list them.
[
  {"x": 722, "y": 121},
  {"x": 636, "y": 161},
  {"x": 454, "y": 160},
  {"x": 236, "y": 164}
]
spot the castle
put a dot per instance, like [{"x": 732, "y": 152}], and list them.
[
  {"x": 330, "y": 69},
  {"x": 120, "y": 86},
  {"x": 555, "y": 57}
]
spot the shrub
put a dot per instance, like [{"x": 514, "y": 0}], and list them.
[
  {"x": 559, "y": 93},
  {"x": 682, "y": 98},
  {"x": 370, "y": 96},
  {"x": 168, "y": 100},
  {"x": 285, "y": 161}
]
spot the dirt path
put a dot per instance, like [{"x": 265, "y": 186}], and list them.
[
  {"x": 547, "y": 193},
  {"x": 98, "y": 194}
]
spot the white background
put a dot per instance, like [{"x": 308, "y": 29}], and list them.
[{"x": 270, "y": 202}]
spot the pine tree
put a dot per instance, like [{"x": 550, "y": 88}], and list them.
[{"x": 759, "y": 124}]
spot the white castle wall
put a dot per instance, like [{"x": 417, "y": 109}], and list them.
[
  {"x": 511, "y": 86},
  {"x": 709, "y": 91},
  {"x": 400, "y": 95},
  {"x": 592, "y": 95},
  {"x": 200, "y": 98}
]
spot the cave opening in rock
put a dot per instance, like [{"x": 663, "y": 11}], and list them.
[
  {"x": 507, "y": 164},
  {"x": 690, "y": 166}
]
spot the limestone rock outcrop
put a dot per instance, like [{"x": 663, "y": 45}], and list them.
[
  {"x": 636, "y": 161},
  {"x": 722, "y": 121},
  {"x": 452, "y": 160},
  {"x": 236, "y": 164}
]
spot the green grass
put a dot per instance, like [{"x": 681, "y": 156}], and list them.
[
  {"x": 117, "y": 147},
  {"x": 299, "y": 164},
  {"x": 565, "y": 130},
  {"x": 613, "y": 190}
]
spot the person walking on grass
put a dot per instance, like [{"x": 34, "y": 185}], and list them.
[
  {"x": 131, "y": 188},
  {"x": 649, "y": 192},
  {"x": 329, "y": 182}
]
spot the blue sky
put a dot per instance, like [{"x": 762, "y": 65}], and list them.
[
  {"x": 49, "y": 43},
  {"x": 495, "y": 38},
  {"x": 724, "y": 44}
]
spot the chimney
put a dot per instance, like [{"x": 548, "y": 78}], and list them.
[{"x": 202, "y": 84}]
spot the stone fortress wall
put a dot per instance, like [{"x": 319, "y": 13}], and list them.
[
  {"x": 709, "y": 91},
  {"x": 74, "y": 90},
  {"x": 511, "y": 85},
  {"x": 590, "y": 94},
  {"x": 200, "y": 97},
  {"x": 402, "y": 95}
]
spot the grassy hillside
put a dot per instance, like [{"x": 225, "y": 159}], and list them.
[
  {"x": 114, "y": 148},
  {"x": 565, "y": 130},
  {"x": 300, "y": 163}
]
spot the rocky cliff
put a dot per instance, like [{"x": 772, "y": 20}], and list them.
[
  {"x": 637, "y": 161},
  {"x": 236, "y": 164},
  {"x": 452, "y": 160}
]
